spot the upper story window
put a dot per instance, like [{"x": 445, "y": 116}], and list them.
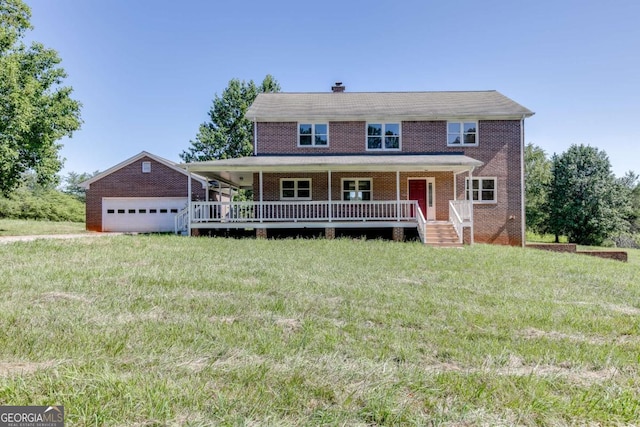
[
  {"x": 313, "y": 134},
  {"x": 383, "y": 136},
  {"x": 483, "y": 190},
  {"x": 462, "y": 133},
  {"x": 356, "y": 189},
  {"x": 295, "y": 189},
  {"x": 146, "y": 167}
]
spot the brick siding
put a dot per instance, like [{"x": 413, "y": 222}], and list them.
[
  {"x": 499, "y": 148},
  {"x": 129, "y": 181}
]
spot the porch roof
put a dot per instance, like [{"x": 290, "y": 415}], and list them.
[{"x": 357, "y": 163}]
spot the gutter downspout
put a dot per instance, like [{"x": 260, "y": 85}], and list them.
[
  {"x": 255, "y": 137},
  {"x": 523, "y": 225},
  {"x": 470, "y": 188},
  {"x": 189, "y": 203}
]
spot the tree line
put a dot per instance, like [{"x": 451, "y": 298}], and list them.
[{"x": 575, "y": 194}]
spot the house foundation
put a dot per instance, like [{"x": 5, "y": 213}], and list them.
[
  {"x": 330, "y": 233},
  {"x": 398, "y": 234}
]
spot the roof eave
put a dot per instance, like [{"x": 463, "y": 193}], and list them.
[{"x": 399, "y": 118}]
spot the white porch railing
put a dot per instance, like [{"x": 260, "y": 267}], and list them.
[
  {"x": 182, "y": 220},
  {"x": 422, "y": 224},
  {"x": 460, "y": 216},
  {"x": 387, "y": 210}
]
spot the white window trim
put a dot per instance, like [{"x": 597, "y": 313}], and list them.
[
  {"x": 146, "y": 167},
  {"x": 313, "y": 134},
  {"x": 342, "y": 190},
  {"x": 480, "y": 179},
  {"x": 383, "y": 123},
  {"x": 461, "y": 123},
  {"x": 295, "y": 189}
]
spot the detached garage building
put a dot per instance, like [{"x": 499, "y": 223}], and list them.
[{"x": 141, "y": 194}]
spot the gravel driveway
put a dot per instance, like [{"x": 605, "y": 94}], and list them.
[{"x": 11, "y": 239}]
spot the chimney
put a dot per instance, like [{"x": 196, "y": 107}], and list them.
[{"x": 338, "y": 88}]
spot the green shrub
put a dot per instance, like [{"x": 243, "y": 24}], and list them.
[{"x": 49, "y": 205}]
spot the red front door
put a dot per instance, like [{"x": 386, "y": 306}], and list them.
[{"x": 418, "y": 191}]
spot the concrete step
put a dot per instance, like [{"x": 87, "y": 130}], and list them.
[{"x": 441, "y": 235}]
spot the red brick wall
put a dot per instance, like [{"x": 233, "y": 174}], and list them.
[
  {"x": 424, "y": 137},
  {"x": 499, "y": 148},
  {"x": 282, "y": 138},
  {"x": 129, "y": 181}
]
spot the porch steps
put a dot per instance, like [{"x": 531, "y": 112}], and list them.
[{"x": 441, "y": 234}]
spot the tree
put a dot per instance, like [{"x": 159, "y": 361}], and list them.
[
  {"x": 586, "y": 203},
  {"x": 71, "y": 184},
  {"x": 635, "y": 204},
  {"x": 228, "y": 132},
  {"x": 35, "y": 110},
  {"x": 630, "y": 183},
  {"x": 537, "y": 177}
]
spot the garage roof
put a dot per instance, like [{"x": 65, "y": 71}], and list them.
[{"x": 142, "y": 154}]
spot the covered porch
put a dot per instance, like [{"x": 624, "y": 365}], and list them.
[{"x": 332, "y": 192}]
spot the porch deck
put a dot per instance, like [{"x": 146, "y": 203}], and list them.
[{"x": 316, "y": 214}]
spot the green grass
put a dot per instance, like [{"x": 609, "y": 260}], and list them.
[
  {"x": 23, "y": 227},
  {"x": 165, "y": 330},
  {"x": 543, "y": 238}
]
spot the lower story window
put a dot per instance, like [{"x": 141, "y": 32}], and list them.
[
  {"x": 295, "y": 189},
  {"x": 483, "y": 190},
  {"x": 356, "y": 189}
]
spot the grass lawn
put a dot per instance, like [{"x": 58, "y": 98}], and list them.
[
  {"x": 165, "y": 330},
  {"x": 23, "y": 227}
]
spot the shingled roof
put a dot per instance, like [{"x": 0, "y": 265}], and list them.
[{"x": 284, "y": 106}]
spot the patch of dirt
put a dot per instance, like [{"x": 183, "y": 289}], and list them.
[
  {"x": 624, "y": 309},
  {"x": 408, "y": 281},
  {"x": 195, "y": 365},
  {"x": 532, "y": 333},
  {"x": 18, "y": 368},
  {"x": 153, "y": 315},
  {"x": 515, "y": 366},
  {"x": 195, "y": 294},
  {"x": 57, "y": 296},
  {"x": 577, "y": 375},
  {"x": 289, "y": 325},
  {"x": 445, "y": 367},
  {"x": 223, "y": 319}
]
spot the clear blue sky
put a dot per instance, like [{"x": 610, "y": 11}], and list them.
[{"x": 146, "y": 71}]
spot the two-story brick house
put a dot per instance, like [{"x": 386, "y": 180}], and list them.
[{"x": 402, "y": 160}]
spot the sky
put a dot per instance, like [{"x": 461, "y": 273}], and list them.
[{"x": 147, "y": 71}]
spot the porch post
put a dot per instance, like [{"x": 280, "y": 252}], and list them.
[
  {"x": 470, "y": 188},
  {"x": 206, "y": 191},
  {"x": 455, "y": 186},
  {"x": 261, "y": 196},
  {"x": 329, "y": 196},
  {"x": 398, "y": 194},
  {"x": 189, "y": 201}
]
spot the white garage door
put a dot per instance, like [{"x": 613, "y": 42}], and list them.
[{"x": 140, "y": 214}]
